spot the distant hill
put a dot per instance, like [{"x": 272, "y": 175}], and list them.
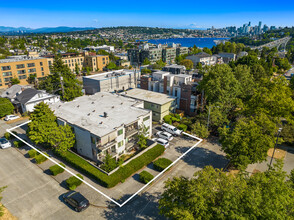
[{"x": 43, "y": 30}]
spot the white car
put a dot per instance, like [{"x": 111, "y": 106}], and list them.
[
  {"x": 164, "y": 135},
  {"x": 171, "y": 129},
  {"x": 162, "y": 142},
  {"x": 11, "y": 117},
  {"x": 4, "y": 143}
]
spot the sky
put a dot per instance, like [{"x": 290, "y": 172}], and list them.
[{"x": 152, "y": 13}]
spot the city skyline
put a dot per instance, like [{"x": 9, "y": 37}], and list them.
[{"x": 155, "y": 14}]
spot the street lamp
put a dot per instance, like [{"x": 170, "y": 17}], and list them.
[{"x": 279, "y": 131}]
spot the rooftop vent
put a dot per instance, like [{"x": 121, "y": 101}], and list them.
[
  {"x": 105, "y": 114},
  {"x": 93, "y": 110},
  {"x": 78, "y": 106},
  {"x": 92, "y": 102},
  {"x": 101, "y": 122},
  {"x": 88, "y": 114},
  {"x": 112, "y": 107},
  {"x": 121, "y": 103}
]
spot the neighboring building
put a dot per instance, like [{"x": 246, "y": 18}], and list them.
[
  {"x": 22, "y": 67},
  {"x": 111, "y": 81},
  {"x": 160, "y": 104},
  {"x": 103, "y": 123},
  {"x": 122, "y": 62},
  {"x": 134, "y": 56},
  {"x": 96, "y": 62},
  {"x": 169, "y": 55},
  {"x": 153, "y": 55},
  {"x": 12, "y": 92},
  {"x": 28, "y": 98},
  {"x": 242, "y": 54},
  {"x": 227, "y": 57},
  {"x": 203, "y": 58},
  {"x": 104, "y": 47},
  {"x": 181, "y": 86},
  {"x": 182, "y": 51},
  {"x": 175, "y": 69}
]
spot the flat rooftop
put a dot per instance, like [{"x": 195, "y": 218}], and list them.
[
  {"x": 87, "y": 112},
  {"x": 109, "y": 75},
  {"x": 11, "y": 60},
  {"x": 149, "y": 96}
]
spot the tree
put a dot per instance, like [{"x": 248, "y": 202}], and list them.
[
  {"x": 109, "y": 163},
  {"x": 146, "y": 61},
  {"x": 248, "y": 140},
  {"x": 6, "y": 107},
  {"x": 214, "y": 194},
  {"x": 43, "y": 124},
  {"x": 200, "y": 130},
  {"x": 142, "y": 136},
  {"x": 62, "y": 138},
  {"x": 199, "y": 66},
  {"x": 77, "y": 69},
  {"x": 52, "y": 84},
  {"x": 1, "y": 207},
  {"x": 15, "y": 81},
  {"x": 111, "y": 65},
  {"x": 145, "y": 71},
  {"x": 187, "y": 63},
  {"x": 288, "y": 133},
  {"x": 160, "y": 63},
  {"x": 206, "y": 50}
]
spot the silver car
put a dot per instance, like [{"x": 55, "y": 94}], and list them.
[{"x": 4, "y": 143}]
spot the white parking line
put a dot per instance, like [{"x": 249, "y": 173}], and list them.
[{"x": 88, "y": 184}]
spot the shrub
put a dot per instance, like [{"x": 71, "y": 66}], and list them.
[
  {"x": 183, "y": 127},
  {"x": 161, "y": 164},
  {"x": 7, "y": 135},
  {"x": 32, "y": 153},
  {"x": 18, "y": 144},
  {"x": 55, "y": 169},
  {"x": 122, "y": 173},
  {"x": 40, "y": 158},
  {"x": 167, "y": 119},
  {"x": 175, "y": 119},
  {"x": 73, "y": 182},
  {"x": 145, "y": 177}
]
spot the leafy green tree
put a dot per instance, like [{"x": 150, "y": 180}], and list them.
[
  {"x": 109, "y": 163},
  {"x": 288, "y": 133},
  {"x": 248, "y": 140},
  {"x": 187, "y": 63},
  {"x": 15, "y": 81},
  {"x": 43, "y": 124},
  {"x": 1, "y": 207},
  {"x": 206, "y": 50},
  {"x": 213, "y": 194},
  {"x": 145, "y": 71},
  {"x": 52, "y": 84},
  {"x": 200, "y": 130},
  {"x": 199, "y": 66},
  {"x": 146, "y": 61},
  {"x": 77, "y": 69},
  {"x": 160, "y": 63},
  {"x": 111, "y": 66},
  {"x": 62, "y": 138},
  {"x": 142, "y": 136},
  {"x": 6, "y": 107}
]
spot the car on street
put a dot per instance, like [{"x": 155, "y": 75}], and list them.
[
  {"x": 4, "y": 143},
  {"x": 171, "y": 129},
  {"x": 162, "y": 142},
  {"x": 76, "y": 200},
  {"x": 11, "y": 117},
  {"x": 164, "y": 135}
]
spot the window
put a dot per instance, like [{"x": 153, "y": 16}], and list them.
[
  {"x": 21, "y": 71},
  {"x": 50, "y": 63},
  {"x": 103, "y": 58},
  {"x": 0, "y": 80},
  {"x": 42, "y": 69},
  {"x": 22, "y": 77},
  {"x": 43, "y": 73},
  {"x": 32, "y": 70},
  {"x": 5, "y": 68},
  {"x": 103, "y": 62},
  {"x": 31, "y": 64},
  {"x": 19, "y": 66},
  {"x": 7, "y": 79},
  {"x": 65, "y": 61},
  {"x": 120, "y": 132},
  {"x": 7, "y": 74},
  {"x": 119, "y": 144},
  {"x": 41, "y": 63},
  {"x": 146, "y": 118},
  {"x": 92, "y": 140}
]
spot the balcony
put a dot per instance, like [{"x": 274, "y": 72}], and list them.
[
  {"x": 105, "y": 146},
  {"x": 131, "y": 132}
]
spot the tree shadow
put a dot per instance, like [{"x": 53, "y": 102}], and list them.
[
  {"x": 151, "y": 166},
  {"x": 63, "y": 184},
  {"x": 144, "y": 206},
  {"x": 48, "y": 172},
  {"x": 136, "y": 177},
  {"x": 201, "y": 157}
]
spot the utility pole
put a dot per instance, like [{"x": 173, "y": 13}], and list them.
[
  {"x": 61, "y": 83},
  {"x": 208, "y": 116},
  {"x": 279, "y": 131}
]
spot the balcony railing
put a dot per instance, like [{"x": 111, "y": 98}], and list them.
[{"x": 131, "y": 132}]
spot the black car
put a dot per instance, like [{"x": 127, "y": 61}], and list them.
[{"x": 76, "y": 200}]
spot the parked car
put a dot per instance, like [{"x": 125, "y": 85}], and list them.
[
  {"x": 164, "y": 135},
  {"x": 171, "y": 129},
  {"x": 76, "y": 200},
  {"x": 11, "y": 117},
  {"x": 162, "y": 142},
  {"x": 4, "y": 143}
]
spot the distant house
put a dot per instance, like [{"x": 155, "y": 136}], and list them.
[
  {"x": 26, "y": 101},
  {"x": 12, "y": 92},
  {"x": 228, "y": 57},
  {"x": 202, "y": 57}
]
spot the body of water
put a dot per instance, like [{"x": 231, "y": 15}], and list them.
[{"x": 188, "y": 42}]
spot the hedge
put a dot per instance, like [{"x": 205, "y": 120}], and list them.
[
  {"x": 183, "y": 127},
  {"x": 145, "y": 177},
  {"x": 55, "y": 169},
  {"x": 7, "y": 135},
  {"x": 18, "y": 144},
  {"x": 122, "y": 173},
  {"x": 32, "y": 153},
  {"x": 40, "y": 158},
  {"x": 161, "y": 164},
  {"x": 73, "y": 182}
]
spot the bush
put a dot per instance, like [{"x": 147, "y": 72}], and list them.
[
  {"x": 32, "y": 153},
  {"x": 18, "y": 144},
  {"x": 183, "y": 127},
  {"x": 7, "y": 135},
  {"x": 40, "y": 158},
  {"x": 175, "y": 119},
  {"x": 122, "y": 173},
  {"x": 161, "y": 164},
  {"x": 73, "y": 182},
  {"x": 145, "y": 177},
  {"x": 55, "y": 170},
  {"x": 167, "y": 119}
]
